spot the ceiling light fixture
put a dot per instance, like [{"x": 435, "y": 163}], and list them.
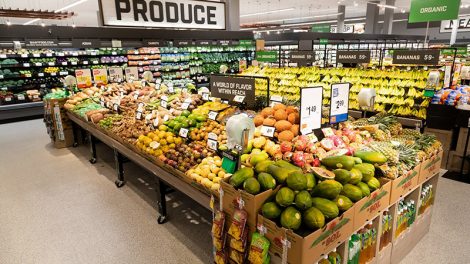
[
  {"x": 297, "y": 18},
  {"x": 356, "y": 4},
  {"x": 73, "y": 25},
  {"x": 387, "y": 6},
  {"x": 403, "y": 11},
  {"x": 42, "y": 24},
  {"x": 8, "y": 23},
  {"x": 57, "y": 11},
  {"x": 268, "y": 12}
]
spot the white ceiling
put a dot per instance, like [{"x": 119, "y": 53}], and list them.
[{"x": 301, "y": 10}]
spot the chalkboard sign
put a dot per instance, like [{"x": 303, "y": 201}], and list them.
[
  {"x": 230, "y": 87},
  {"x": 416, "y": 57},
  {"x": 353, "y": 56}
]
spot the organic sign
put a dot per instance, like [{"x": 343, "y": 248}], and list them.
[
  {"x": 339, "y": 108},
  {"x": 163, "y": 14},
  {"x": 266, "y": 56},
  {"x": 433, "y": 10},
  {"x": 353, "y": 56},
  {"x": 310, "y": 109},
  {"x": 416, "y": 57},
  {"x": 231, "y": 87},
  {"x": 83, "y": 78},
  {"x": 302, "y": 58}
]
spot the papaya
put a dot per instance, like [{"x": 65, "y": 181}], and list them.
[
  {"x": 343, "y": 203},
  {"x": 372, "y": 157},
  {"x": 313, "y": 218},
  {"x": 303, "y": 200},
  {"x": 356, "y": 176},
  {"x": 251, "y": 186},
  {"x": 367, "y": 170},
  {"x": 352, "y": 192},
  {"x": 357, "y": 160},
  {"x": 285, "y": 197},
  {"x": 373, "y": 184},
  {"x": 342, "y": 176},
  {"x": 364, "y": 188},
  {"x": 339, "y": 162},
  {"x": 266, "y": 181},
  {"x": 323, "y": 173},
  {"x": 297, "y": 181},
  {"x": 328, "y": 189},
  {"x": 279, "y": 173},
  {"x": 291, "y": 218},
  {"x": 328, "y": 208},
  {"x": 241, "y": 175},
  {"x": 310, "y": 181},
  {"x": 270, "y": 210},
  {"x": 287, "y": 165},
  {"x": 257, "y": 158},
  {"x": 262, "y": 166}
]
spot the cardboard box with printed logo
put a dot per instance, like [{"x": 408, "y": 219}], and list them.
[
  {"x": 369, "y": 207},
  {"x": 404, "y": 184},
  {"x": 430, "y": 167}
]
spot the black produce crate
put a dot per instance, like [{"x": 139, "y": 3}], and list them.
[
  {"x": 441, "y": 117},
  {"x": 463, "y": 118}
]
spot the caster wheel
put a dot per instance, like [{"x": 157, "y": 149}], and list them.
[
  {"x": 92, "y": 160},
  {"x": 119, "y": 183},
  {"x": 161, "y": 219},
  {"x": 75, "y": 144}
]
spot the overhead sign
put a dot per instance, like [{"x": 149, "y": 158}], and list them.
[
  {"x": 353, "y": 56},
  {"x": 83, "y": 78},
  {"x": 163, "y": 14},
  {"x": 233, "y": 88},
  {"x": 458, "y": 51},
  {"x": 86, "y": 43},
  {"x": 339, "y": 108},
  {"x": 41, "y": 43},
  {"x": 463, "y": 25},
  {"x": 204, "y": 43},
  {"x": 433, "y": 10},
  {"x": 302, "y": 58},
  {"x": 310, "y": 109},
  {"x": 266, "y": 56},
  {"x": 183, "y": 43},
  {"x": 154, "y": 43},
  {"x": 321, "y": 28},
  {"x": 416, "y": 57}
]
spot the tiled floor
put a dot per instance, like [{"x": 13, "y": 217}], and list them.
[{"x": 55, "y": 207}]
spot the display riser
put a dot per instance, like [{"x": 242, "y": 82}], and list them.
[{"x": 385, "y": 255}]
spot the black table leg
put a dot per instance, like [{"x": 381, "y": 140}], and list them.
[
  {"x": 161, "y": 201},
  {"x": 75, "y": 136},
  {"x": 92, "y": 142},
  {"x": 464, "y": 157},
  {"x": 118, "y": 161}
]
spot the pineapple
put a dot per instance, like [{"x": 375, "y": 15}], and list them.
[
  {"x": 387, "y": 149},
  {"x": 360, "y": 122},
  {"x": 410, "y": 132},
  {"x": 395, "y": 128},
  {"x": 407, "y": 156}
]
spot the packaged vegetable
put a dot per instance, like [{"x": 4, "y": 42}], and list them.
[
  {"x": 258, "y": 253},
  {"x": 239, "y": 245},
  {"x": 238, "y": 224},
  {"x": 220, "y": 257},
  {"x": 236, "y": 256},
  {"x": 218, "y": 224}
]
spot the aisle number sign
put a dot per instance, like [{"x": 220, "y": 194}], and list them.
[
  {"x": 310, "y": 109},
  {"x": 116, "y": 74},
  {"x": 339, "y": 107},
  {"x": 83, "y": 78},
  {"x": 100, "y": 76},
  {"x": 132, "y": 73},
  {"x": 433, "y": 10}
]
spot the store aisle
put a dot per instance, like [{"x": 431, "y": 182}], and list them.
[{"x": 55, "y": 207}]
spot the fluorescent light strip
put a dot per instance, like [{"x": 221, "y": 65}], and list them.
[
  {"x": 57, "y": 11},
  {"x": 387, "y": 6},
  {"x": 268, "y": 12},
  {"x": 297, "y": 18}
]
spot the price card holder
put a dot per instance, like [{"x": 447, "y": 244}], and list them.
[
  {"x": 212, "y": 141},
  {"x": 183, "y": 132},
  {"x": 275, "y": 99},
  {"x": 239, "y": 98},
  {"x": 164, "y": 101},
  {"x": 224, "y": 101},
  {"x": 205, "y": 96},
  {"x": 156, "y": 121},
  {"x": 116, "y": 107},
  {"x": 212, "y": 115},
  {"x": 26, "y": 65},
  {"x": 102, "y": 102},
  {"x": 339, "y": 107},
  {"x": 268, "y": 131},
  {"x": 3, "y": 56},
  {"x": 185, "y": 105},
  {"x": 136, "y": 94},
  {"x": 229, "y": 162},
  {"x": 171, "y": 88},
  {"x": 310, "y": 109},
  {"x": 184, "y": 90}
]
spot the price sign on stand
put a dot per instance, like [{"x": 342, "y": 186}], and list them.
[
  {"x": 268, "y": 131},
  {"x": 132, "y": 73},
  {"x": 212, "y": 141},
  {"x": 140, "y": 110},
  {"x": 115, "y": 73},
  {"x": 183, "y": 132},
  {"x": 339, "y": 106},
  {"x": 205, "y": 96},
  {"x": 310, "y": 109},
  {"x": 275, "y": 99},
  {"x": 100, "y": 76},
  {"x": 353, "y": 56},
  {"x": 212, "y": 115},
  {"x": 239, "y": 98},
  {"x": 416, "y": 57},
  {"x": 237, "y": 89},
  {"x": 83, "y": 78},
  {"x": 164, "y": 101},
  {"x": 171, "y": 88}
]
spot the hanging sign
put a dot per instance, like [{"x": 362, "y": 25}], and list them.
[
  {"x": 83, "y": 78},
  {"x": 302, "y": 58},
  {"x": 433, "y": 10},
  {"x": 132, "y": 73},
  {"x": 321, "y": 28},
  {"x": 353, "y": 56},
  {"x": 100, "y": 76},
  {"x": 154, "y": 43},
  {"x": 116, "y": 74},
  {"x": 183, "y": 43},
  {"x": 231, "y": 88},
  {"x": 86, "y": 43},
  {"x": 267, "y": 56},
  {"x": 205, "y": 43},
  {"x": 163, "y": 14},
  {"x": 463, "y": 25},
  {"x": 41, "y": 43},
  {"x": 447, "y": 75},
  {"x": 416, "y": 57},
  {"x": 339, "y": 108},
  {"x": 310, "y": 109}
]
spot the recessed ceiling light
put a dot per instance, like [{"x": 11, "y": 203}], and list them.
[
  {"x": 8, "y": 22},
  {"x": 356, "y": 4},
  {"x": 403, "y": 11},
  {"x": 43, "y": 25},
  {"x": 73, "y": 25}
]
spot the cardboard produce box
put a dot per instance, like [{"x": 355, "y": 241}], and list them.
[
  {"x": 369, "y": 207},
  {"x": 252, "y": 203},
  {"x": 404, "y": 184},
  {"x": 309, "y": 249},
  {"x": 430, "y": 167}
]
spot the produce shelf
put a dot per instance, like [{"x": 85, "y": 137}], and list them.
[
  {"x": 172, "y": 180},
  {"x": 21, "y": 110}
]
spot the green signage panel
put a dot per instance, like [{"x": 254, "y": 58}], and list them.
[
  {"x": 450, "y": 52},
  {"x": 433, "y": 10},
  {"x": 323, "y": 41},
  {"x": 266, "y": 56},
  {"x": 246, "y": 42},
  {"x": 321, "y": 28}
]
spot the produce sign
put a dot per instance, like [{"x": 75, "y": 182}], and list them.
[
  {"x": 321, "y": 28},
  {"x": 230, "y": 87},
  {"x": 116, "y": 74},
  {"x": 100, "y": 76},
  {"x": 416, "y": 57},
  {"x": 267, "y": 56},
  {"x": 302, "y": 58},
  {"x": 433, "y": 10},
  {"x": 463, "y": 25},
  {"x": 164, "y": 14},
  {"x": 41, "y": 43},
  {"x": 310, "y": 109},
  {"x": 153, "y": 43},
  {"x": 353, "y": 56},
  {"x": 132, "y": 73},
  {"x": 86, "y": 43},
  {"x": 339, "y": 108},
  {"x": 83, "y": 78}
]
